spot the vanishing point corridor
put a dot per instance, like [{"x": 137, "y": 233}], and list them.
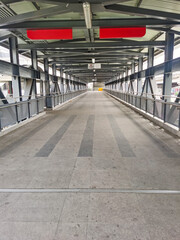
[{"x": 85, "y": 171}]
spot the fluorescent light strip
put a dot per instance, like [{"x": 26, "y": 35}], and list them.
[{"x": 87, "y": 15}]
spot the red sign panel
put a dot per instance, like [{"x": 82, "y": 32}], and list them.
[
  {"x": 49, "y": 34},
  {"x": 122, "y": 32}
]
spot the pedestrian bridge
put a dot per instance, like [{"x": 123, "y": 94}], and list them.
[{"x": 91, "y": 169}]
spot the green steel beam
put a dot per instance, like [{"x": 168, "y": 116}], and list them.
[
  {"x": 44, "y": 46},
  {"x": 119, "y": 22}
]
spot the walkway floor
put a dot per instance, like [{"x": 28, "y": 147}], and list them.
[{"x": 76, "y": 161}]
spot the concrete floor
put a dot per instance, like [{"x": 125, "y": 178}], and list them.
[{"x": 94, "y": 146}]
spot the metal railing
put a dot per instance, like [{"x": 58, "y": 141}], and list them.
[
  {"x": 56, "y": 99},
  {"x": 168, "y": 112},
  {"x": 14, "y": 113}
]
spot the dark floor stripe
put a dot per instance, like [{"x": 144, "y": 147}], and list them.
[
  {"x": 163, "y": 147},
  {"x": 52, "y": 142},
  {"x": 86, "y": 148},
  {"x": 122, "y": 142},
  {"x": 12, "y": 146}
]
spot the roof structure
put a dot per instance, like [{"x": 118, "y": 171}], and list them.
[{"x": 73, "y": 56}]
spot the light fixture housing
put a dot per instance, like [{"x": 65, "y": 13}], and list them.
[{"x": 87, "y": 14}]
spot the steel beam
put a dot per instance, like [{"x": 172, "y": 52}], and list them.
[
  {"x": 117, "y": 22},
  {"x": 71, "y": 53},
  {"x": 169, "y": 50},
  {"x": 98, "y": 56},
  {"x": 2, "y": 98},
  {"x": 35, "y": 14},
  {"x": 139, "y": 79},
  {"x": 30, "y": 90},
  {"x": 16, "y": 80},
  {"x": 46, "y": 70},
  {"x": 123, "y": 44},
  {"x": 143, "y": 12}
]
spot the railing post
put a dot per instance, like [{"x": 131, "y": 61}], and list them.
[
  {"x": 154, "y": 107},
  {"x": 164, "y": 110},
  {"x": 29, "y": 114},
  {"x": 37, "y": 105},
  {"x": 16, "y": 110}
]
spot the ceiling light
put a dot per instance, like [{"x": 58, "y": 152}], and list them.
[
  {"x": 87, "y": 15},
  {"x": 93, "y": 60}
]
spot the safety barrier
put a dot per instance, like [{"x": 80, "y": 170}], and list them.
[
  {"x": 56, "y": 99},
  {"x": 14, "y": 113},
  {"x": 168, "y": 112}
]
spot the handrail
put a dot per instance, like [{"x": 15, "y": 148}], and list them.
[
  {"x": 169, "y": 112},
  {"x": 136, "y": 94},
  {"x": 13, "y": 113},
  {"x": 38, "y": 95}
]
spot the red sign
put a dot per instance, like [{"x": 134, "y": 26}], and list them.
[
  {"x": 49, "y": 34},
  {"x": 122, "y": 32}
]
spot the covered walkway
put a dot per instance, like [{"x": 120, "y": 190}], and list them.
[{"x": 84, "y": 171}]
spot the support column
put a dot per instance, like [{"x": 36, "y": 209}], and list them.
[
  {"x": 133, "y": 86},
  {"x": 167, "y": 81},
  {"x": 139, "y": 80},
  {"x": 149, "y": 88},
  {"x": 61, "y": 81},
  {"x": 30, "y": 90},
  {"x": 46, "y": 70},
  {"x": 15, "y": 88},
  {"x": 120, "y": 82},
  {"x": 126, "y": 82}
]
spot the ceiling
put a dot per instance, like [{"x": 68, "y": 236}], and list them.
[{"x": 73, "y": 56}]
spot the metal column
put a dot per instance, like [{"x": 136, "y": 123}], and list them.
[
  {"x": 16, "y": 80},
  {"x": 46, "y": 70},
  {"x": 139, "y": 80},
  {"x": 30, "y": 90},
  {"x": 167, "y": 81}
]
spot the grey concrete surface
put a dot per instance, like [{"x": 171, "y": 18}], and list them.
[{"x": 124, "y": 151}]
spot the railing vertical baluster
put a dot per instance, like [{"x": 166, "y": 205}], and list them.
[
  {"x": 16, "y": 111},
  {"x": 164, "y": 111},
  {"x": 37, "y": 105},
  {"x": 154, "y": 107},
  {"x": 29, "y": 114}
]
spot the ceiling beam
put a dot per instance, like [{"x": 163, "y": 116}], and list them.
[
  {"x": 60, "y": 45},
  {"x": 120, "y": 22},
  {"x": 102, "y": 66},
  {"x": 80, "y": 65},
  {"x": 63, "y": 1},
  {"x": 138, "y": 3},
  {"x": 119, "y": 55},
  {"x": 94, "y": 53},
  {"x": 143, "y": 12},
  {"x": 35, "y": 14}
]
